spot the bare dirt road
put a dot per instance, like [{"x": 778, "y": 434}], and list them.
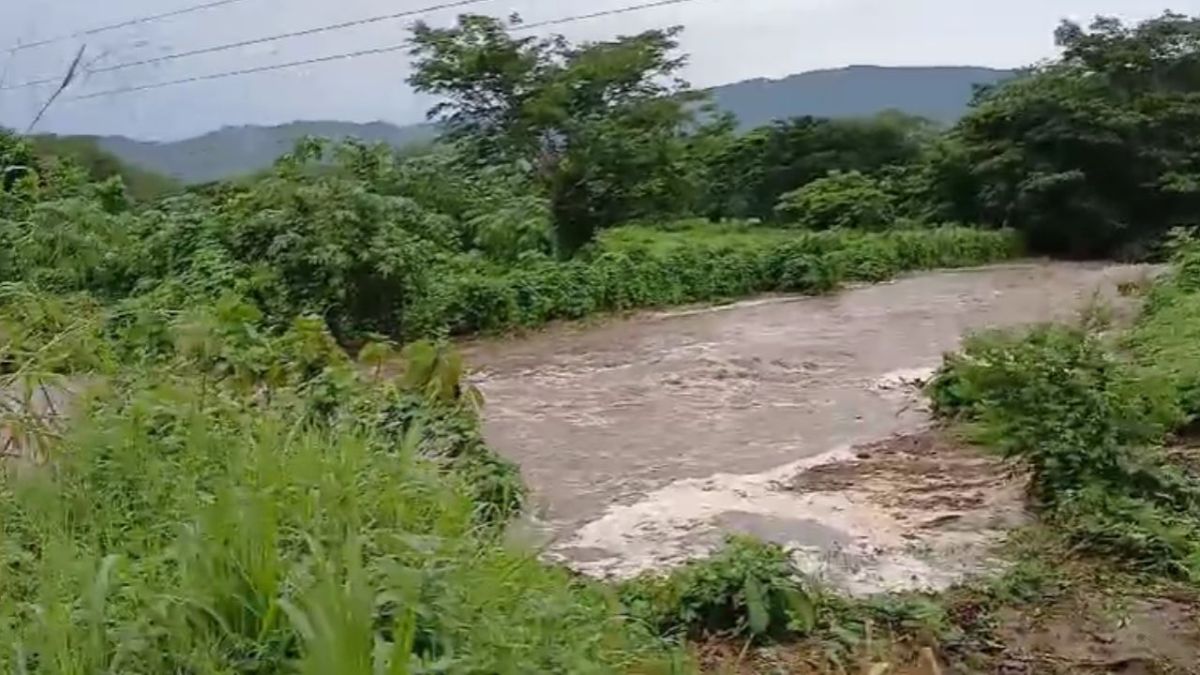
[{"x": 644, "y": 439}]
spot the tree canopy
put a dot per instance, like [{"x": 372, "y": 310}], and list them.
[
  {"x": 601, "y": 126},
  {"x": 1097, "y": 152},
  {"x": 759, "y": 167}
]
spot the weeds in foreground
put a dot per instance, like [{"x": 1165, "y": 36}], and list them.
[{"x": 195, "y": 514}]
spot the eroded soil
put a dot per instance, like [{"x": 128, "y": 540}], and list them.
[
  {"x": 1107, "y": 624},
  {"x": 1089, "y": 634}
]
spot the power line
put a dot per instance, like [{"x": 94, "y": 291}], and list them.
[
  {"x": 28, "y": 84},
  {"x": 602, "y": 13},
  {"x": 243, "y": 71},
  {"x": 272, "y": 38},
  {"x": 256, "y": 41},
  {"x": 126, "y": 24},
  {"x": 366, "y": 52}
]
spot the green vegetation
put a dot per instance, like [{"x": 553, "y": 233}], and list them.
[
  {"x": 244, "y": 504},
  {"x": 1091, "y": 155},
  {"x": 839, "y": 200},
  {"x": 410, "y": 248},
  {"x": 749, "y": 588},
  {"x": 601, "y": 125},
  {"x": 1091, "y": 418},
  {"x": 753, "y": 172},
  {"x": 204, "y": 481},
  {"x": 100, "y": 165}
]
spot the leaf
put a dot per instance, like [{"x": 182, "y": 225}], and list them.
[
  {"x": 756, "y": 606},
  {"x": 801, "y": 609}
]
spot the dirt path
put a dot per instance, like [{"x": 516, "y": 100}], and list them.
[{"x": 645, "y": 438}]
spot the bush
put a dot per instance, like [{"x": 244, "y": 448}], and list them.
[
  {"x": 747, "y": 589},
  {"x": 1058, "y": 398},
  {"x": 631, "y": 268},
  {"x": 1088, "y": 420},
  {"x": 839, "y": 200},
  {"x": 1165, "y": 343},
  {"x": 1090, "y": 155}
]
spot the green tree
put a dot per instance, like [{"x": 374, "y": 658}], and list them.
[
  {"x": 841, "y": 199},
  {"x": 602, "y": 127},
  {"x": 1098, "y": 153},
  {"x": 759, "y": 167}
]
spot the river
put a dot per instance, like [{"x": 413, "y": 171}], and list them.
[{"x": 604, "y": 417}]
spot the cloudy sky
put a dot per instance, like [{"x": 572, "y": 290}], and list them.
[{"x": 728, "y": 40}]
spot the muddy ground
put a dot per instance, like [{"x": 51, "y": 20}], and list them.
[
  {"x": 1089, "y": 627},
  {"x": 794, "y": 419}
]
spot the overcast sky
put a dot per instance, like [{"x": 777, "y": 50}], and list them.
[{"x": 729, "y": 40}]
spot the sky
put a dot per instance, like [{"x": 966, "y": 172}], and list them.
[{"x": 728, "y": 41}]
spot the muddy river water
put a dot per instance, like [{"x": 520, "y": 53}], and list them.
[{"x": 646, "y": 438}]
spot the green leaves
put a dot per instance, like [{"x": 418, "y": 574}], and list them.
[
  {"x": 758, "y": 616},
  {"x": 748, "y": 588},
  {"x": 1090, "y": 155},
  {"x": 839, "y": 200},
  {"x": 752, "y": 173},
  {"x": 602, "y": 127},
  {"x": 437, "y": 372},
  {"x": 1089, "y": 421}
]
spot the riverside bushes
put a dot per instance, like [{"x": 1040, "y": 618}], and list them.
[
  {"x": 638, "y": 267},
  {"x": 372, "y": 249},
  {"x": 1090, "y": 417}
]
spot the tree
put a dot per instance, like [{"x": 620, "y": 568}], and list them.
[
  {"x": 762, "y": 165},
  {"x": 1098, "y": 153},
  {"x": 1156, "y": 55},
  {"x": 841, "y": 199},
  {"x": 603, "y": 127}
]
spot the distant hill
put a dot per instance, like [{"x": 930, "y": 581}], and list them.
[
  {"x": 938, "y": 93},
  {"x": 100, "y": 164},
  {"x": 236, "y": 151}
]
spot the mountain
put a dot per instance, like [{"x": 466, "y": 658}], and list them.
[
  {"x": 938, "y": 93},
  {"x": 235, "y": 151}
]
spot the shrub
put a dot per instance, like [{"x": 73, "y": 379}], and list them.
[
  {"x": 748, "y": 588},
  {"x": 840, "y": 200},
  {"x": 1058, "y": 398},
  {"x": 634, "y": 267},
  {"x": 1088, "y": 420}
]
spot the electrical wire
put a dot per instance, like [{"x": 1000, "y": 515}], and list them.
[
  {"x": 599, "y": 14},
  {"x": 258, "y": 41},
  {"x": 125, "y": 24},
  {"x": 364, "y": 52}
]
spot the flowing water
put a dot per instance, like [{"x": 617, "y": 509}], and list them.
[{"x": 645, "y": 438}]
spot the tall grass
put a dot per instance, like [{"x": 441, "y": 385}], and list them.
[{"x": 188, "y": 520}]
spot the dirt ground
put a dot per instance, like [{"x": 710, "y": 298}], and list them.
[
  {"x": 1087, "y": 632},
  {"x": 1090, "y": 634}
]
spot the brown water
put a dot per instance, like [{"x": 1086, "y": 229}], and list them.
[{"x": 602, "y": 416}]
